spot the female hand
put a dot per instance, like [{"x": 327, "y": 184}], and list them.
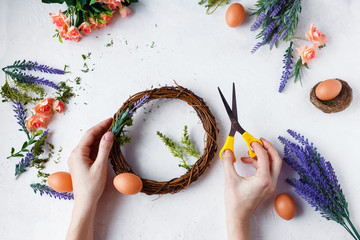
[
  {"x": 88, "y": 163},
  {"x": 88, "y": 167},
  {"x": 244, "y": 195}
]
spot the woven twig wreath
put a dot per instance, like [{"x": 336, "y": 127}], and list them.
[
  {"x": 211, "y": 131},
  {"x": 341, "y": 102}
]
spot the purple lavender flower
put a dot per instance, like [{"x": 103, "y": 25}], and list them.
[
  {"x": 286, "y": 74},
  {"x": 24, "y": 163},
  {"x": 256, "y": 47},
  {"x": 139, "y": 103},
  {"x": 20, "y": 115},
  {"x": 277, "y": 8},
  {"x": 317, "y": 182},
  {"x": 274, "y": 39},
  {"x": 42, "y": 68},
  {"x": 30, "y": 79},
  {"x": 51, "y": 192},
  {"x": 29, "y": 65},
  {"x": 269, "y": 30},
  {"x": 259, "y": 20}
]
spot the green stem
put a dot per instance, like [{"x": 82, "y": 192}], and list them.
[
  {"x": 300, "y": 38},
  {"x": 348, "y": 230},
  {"x": 352, "y": 226}
]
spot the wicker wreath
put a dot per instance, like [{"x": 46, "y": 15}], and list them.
[
  {"x": 211, "y": 131},
  {"x": 339, "y": 103}
]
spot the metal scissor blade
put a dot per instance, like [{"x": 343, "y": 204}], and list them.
[
  {"x": 234, "y": 107},
  {"x": 234, "y": 122}
]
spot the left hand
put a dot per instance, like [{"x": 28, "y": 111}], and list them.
[{"x": 88, "y": 163}]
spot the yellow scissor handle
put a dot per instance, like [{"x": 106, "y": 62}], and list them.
[
  {"x": 250, "y": 139},
  {"x": 229, "y": 145}
]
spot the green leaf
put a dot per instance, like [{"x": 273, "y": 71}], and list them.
[
  {"x": 70, "y": 2},
  {"x": 95, "y": 9},
  {"x": 18, "y": 155},
  {"x": 102, "y": 21},
  {"x": 92, "y": 2},
  {"x": 60, "y": 39},
  {"x": 12, "y": 150},
  {"x": 82, "y": 2},
  {"x": 53, "y": 1},
  {"x": 38, "y": 133},
  {"x": 24, "y": 145}
]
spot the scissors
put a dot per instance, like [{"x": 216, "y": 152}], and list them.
[{"x": 235, "y": 127}]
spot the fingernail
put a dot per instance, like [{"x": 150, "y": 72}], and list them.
[
  {"x": 109, "y": 136},
  {"x": 227, "y": 153}
]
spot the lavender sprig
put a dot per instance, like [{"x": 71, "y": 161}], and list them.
[
  {"x": 29, "y": 65},
  {"x": 24, "y": 163},
  {"x": 278, "y": 20},
  {"x": 317, "y": 182},
  {"x": 139, "y": 103},
  {"x": 20, "y": 115},
  {"x": 124, "y": 118},
  {"x": 259, "y": 20},
  {"x": 286, "y": 74},
  {"x": 51, "y": 192},
  {"x": 30, "y": 79}
]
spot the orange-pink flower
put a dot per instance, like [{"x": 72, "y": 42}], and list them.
[
  {"x": 58, "y": 106},
  {"x": 307, "y": 53},
  {"x": 44, "y": 108},
  {"x": 85, "y": 27},
  {"x": 313, "y": 35},
  {"x": 112, "y": 4},
  {"x": 124, "y": 11},
  {"x": 60, "y": 20},
  {"x": 74, "y": 33},
  {"x": 105, "y": 18},
  {"x": 35, "y": 122}
]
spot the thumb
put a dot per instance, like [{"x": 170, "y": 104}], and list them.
[
  {"x": 104, "y": 148},
  {"x": 228, "y": 163}
]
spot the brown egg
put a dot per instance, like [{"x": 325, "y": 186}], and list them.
[
  {"x": 235, "y": 15},
  {"x": 328, "y": 89},
  {"x": 60, "y": 182},
  {"x": 285, "y": 206},
  {"x": 128, "y": 183}
]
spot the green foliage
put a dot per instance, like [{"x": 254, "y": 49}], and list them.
[
  {"x": 13, "y": 95},
  {"x": 212, "y": 5},
  {"x": 189, "y": 147},
  {"x": 64, "y": 93},
  {"x": 122, "y": 119},
  {"x": 298, "y": 70},
  {"x": 38, "y": 147},
  {"x": 183, "y": 151},
  {"x": 34, "y": 88},
  {"x": 25, "y": 147}
]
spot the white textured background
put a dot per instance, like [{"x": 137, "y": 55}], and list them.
[{"x": 200, "y": 52}]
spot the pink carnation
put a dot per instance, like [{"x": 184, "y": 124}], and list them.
[
  {"x": 35, "y": 122},
  {"x": 58, "y": 106},
  {"x": 74, "y": 34},
  {"x": 60, "y": 20},
  {"x": 313, "y": 35},
  {"x": 85, "y": 27},
  {"x": 124, "y": 11},
  {"x": 307, "y": 53}
]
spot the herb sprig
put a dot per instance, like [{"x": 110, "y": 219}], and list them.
[
  {"x": 184, "y": 151},
  {"x": 125, "y": 118}
]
